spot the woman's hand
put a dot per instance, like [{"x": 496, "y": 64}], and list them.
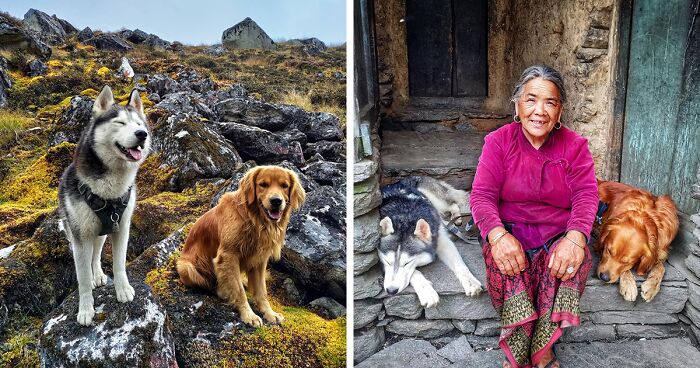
[
  {"x": 567, "y": 254},
  {"x": 507, "y": 252}
]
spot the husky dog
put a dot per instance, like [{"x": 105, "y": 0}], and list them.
[
  {"x": 413, "y": 234},
  {"x": 97, "y": 194}
]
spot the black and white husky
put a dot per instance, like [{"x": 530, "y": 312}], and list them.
[
  {"x": 97, "y": 194},
  {"x": 413, "y": 234}
]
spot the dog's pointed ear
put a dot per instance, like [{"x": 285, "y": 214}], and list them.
[
  {"x": 297, "y": 195},
  {"x": 247, "y": 186},
  {"x": 423, "y": 231},
  {"x": 135, "y": 101},
  {"x": 650, "y": 256},
  {"x": 103, "y": 102},
  {"x": 387, "y": 226}
]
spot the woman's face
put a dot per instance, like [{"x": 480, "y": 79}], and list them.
[{"x": 539, "y": 109}]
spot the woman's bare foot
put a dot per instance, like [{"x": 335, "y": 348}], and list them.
[{"x": 548, "y": 358}]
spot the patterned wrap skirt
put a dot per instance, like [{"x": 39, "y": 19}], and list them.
[{"x": 534, "y": 306}]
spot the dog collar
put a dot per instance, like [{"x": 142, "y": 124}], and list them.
[{"x": 108, "y": 211}]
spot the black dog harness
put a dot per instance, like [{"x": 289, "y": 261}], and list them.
[{"x": 108, "y": 211}]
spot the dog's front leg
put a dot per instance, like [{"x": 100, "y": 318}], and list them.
[
  {"x": 628, "y": 286},
  {"x": 651, "y": 286},
  {"x": 82, "y": 254},
  {"x": 98, "y": 276},
  {"x": 448, "y": 254},
  {"x": 256, "y": 283},
  {"x": 230, "y": 287},
  {"x": 120, "y": 240},
  {"x": 427, "y": 295}
]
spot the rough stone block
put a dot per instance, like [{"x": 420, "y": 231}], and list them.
[
  {"x": 464, "y": 326},
  {"x": 458, "y": 349},
  {"x": 607, "y": 298},
  {"x": 589, "y": 332},
  {"x": 406, "y": 353},
  {"x": 425, "y": 329},
  {"x": 366, "y": 311},
  {"x": 488, "y": 327},
  {"x": 366, "y": 232},
  {"x": 462, "y": 307},
  {"x": 366, "y": 196},
  {"x": 615, "y": 317},
  {"x": 673, "y": 352},
  {"x": 364, "y": 261},
  {"x": 367, "y": 342},
  {"x": 649, "y": 331},
  {"x": 364, "y": 170},
  {"x": 369, "y": 284},
  {"x": 404, "y": 306}
]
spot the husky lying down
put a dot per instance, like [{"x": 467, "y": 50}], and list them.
[{"x": 413, "y": 234}]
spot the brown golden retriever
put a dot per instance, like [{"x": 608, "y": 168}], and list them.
[
  {"x": 637, "y": 230},
  {"x": 239, "y": 235}
]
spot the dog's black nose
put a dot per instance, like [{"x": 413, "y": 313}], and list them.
[
  {"x": 276, "y": 202},
  {"x": 392, "y": 291},
  {"x": 141, "y": 135},
  {"x": 604, "y": 276}
]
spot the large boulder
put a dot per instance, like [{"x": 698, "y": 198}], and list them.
[
  {"x": 193, "y": 150},
  {"x": 314, "y": 251},
  {"x": 47, "y": 28},
  {"x": 108, "y": 41},
  {"x": 13, "y": 37},
  {"x": 311, "y": 46},
  {"x": 134, "y": 334},
  {"x": 73, "y": 121},
  {"x": 260, "y": 145},
  {"x": 247, "y": 35}
]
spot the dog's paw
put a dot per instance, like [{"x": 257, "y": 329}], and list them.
[
  {"x": 273, "y": 317},
  {"x": 252, "y": 319},
  {"x": 99, "y": 279},
  {"x": 427, "y": 296},
  {"x": 649, "y": 289},
  {"x": 125, "y": 293},
  {"x": 628, "y": 290},
  {"x": 85, "y": 315}
]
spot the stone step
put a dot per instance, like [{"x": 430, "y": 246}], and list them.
[
  {"x": 601, "y": 303},
  {"x": 447, "y": 155},
  {"x": 669, "y": 353}
]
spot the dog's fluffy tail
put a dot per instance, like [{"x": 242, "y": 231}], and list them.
[{"x": 190, "y": 276}]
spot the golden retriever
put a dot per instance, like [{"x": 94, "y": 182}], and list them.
[
  {"x": 636, "y": 230},
  {"x": 239, "y": 235}
]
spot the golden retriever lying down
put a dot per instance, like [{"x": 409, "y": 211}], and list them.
[
  {"x": 239, "y": 235},
  {"x": 637, "y": 230}
]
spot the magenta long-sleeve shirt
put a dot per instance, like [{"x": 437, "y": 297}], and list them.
[{"x": 542, "y": 192}]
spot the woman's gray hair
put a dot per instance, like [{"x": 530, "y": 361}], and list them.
[{"x": 540, "y": 71}]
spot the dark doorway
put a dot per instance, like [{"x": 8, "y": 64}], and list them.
[{"x": 447, "y": 45}]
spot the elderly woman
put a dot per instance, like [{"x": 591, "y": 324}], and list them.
[{"x": 534, "y": 199}]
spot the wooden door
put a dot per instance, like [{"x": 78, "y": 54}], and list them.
[
  {"x": 447, "y": 44},
  {"x": 661, "y": 142}
]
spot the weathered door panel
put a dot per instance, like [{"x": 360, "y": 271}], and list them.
[
  {"x": 656, "y": 139},
  {"x": 429, "y": 34},
  {"x": 471, "y": 74}
]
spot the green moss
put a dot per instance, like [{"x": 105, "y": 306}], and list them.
[
  {"x": 303, "y": 340},
  {"x": 163, "y": 280},
  {"x": 18, "y": 346}
]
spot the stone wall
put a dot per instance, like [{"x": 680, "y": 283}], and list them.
[
  {"x": 576, "y": 37},
  {"x": 381, "y": 319}
]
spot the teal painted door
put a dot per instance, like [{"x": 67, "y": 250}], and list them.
[{"x": 661, "y": 140}]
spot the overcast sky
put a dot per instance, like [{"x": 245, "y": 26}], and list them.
[{"x": 199, "y": 21}]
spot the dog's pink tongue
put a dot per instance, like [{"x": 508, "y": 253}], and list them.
[
  {"x": 136, "y": 154},
  {"x": 275, "y": 215}
]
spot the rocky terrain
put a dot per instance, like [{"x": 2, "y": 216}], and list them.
[{"x": 214, "y": 112}]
